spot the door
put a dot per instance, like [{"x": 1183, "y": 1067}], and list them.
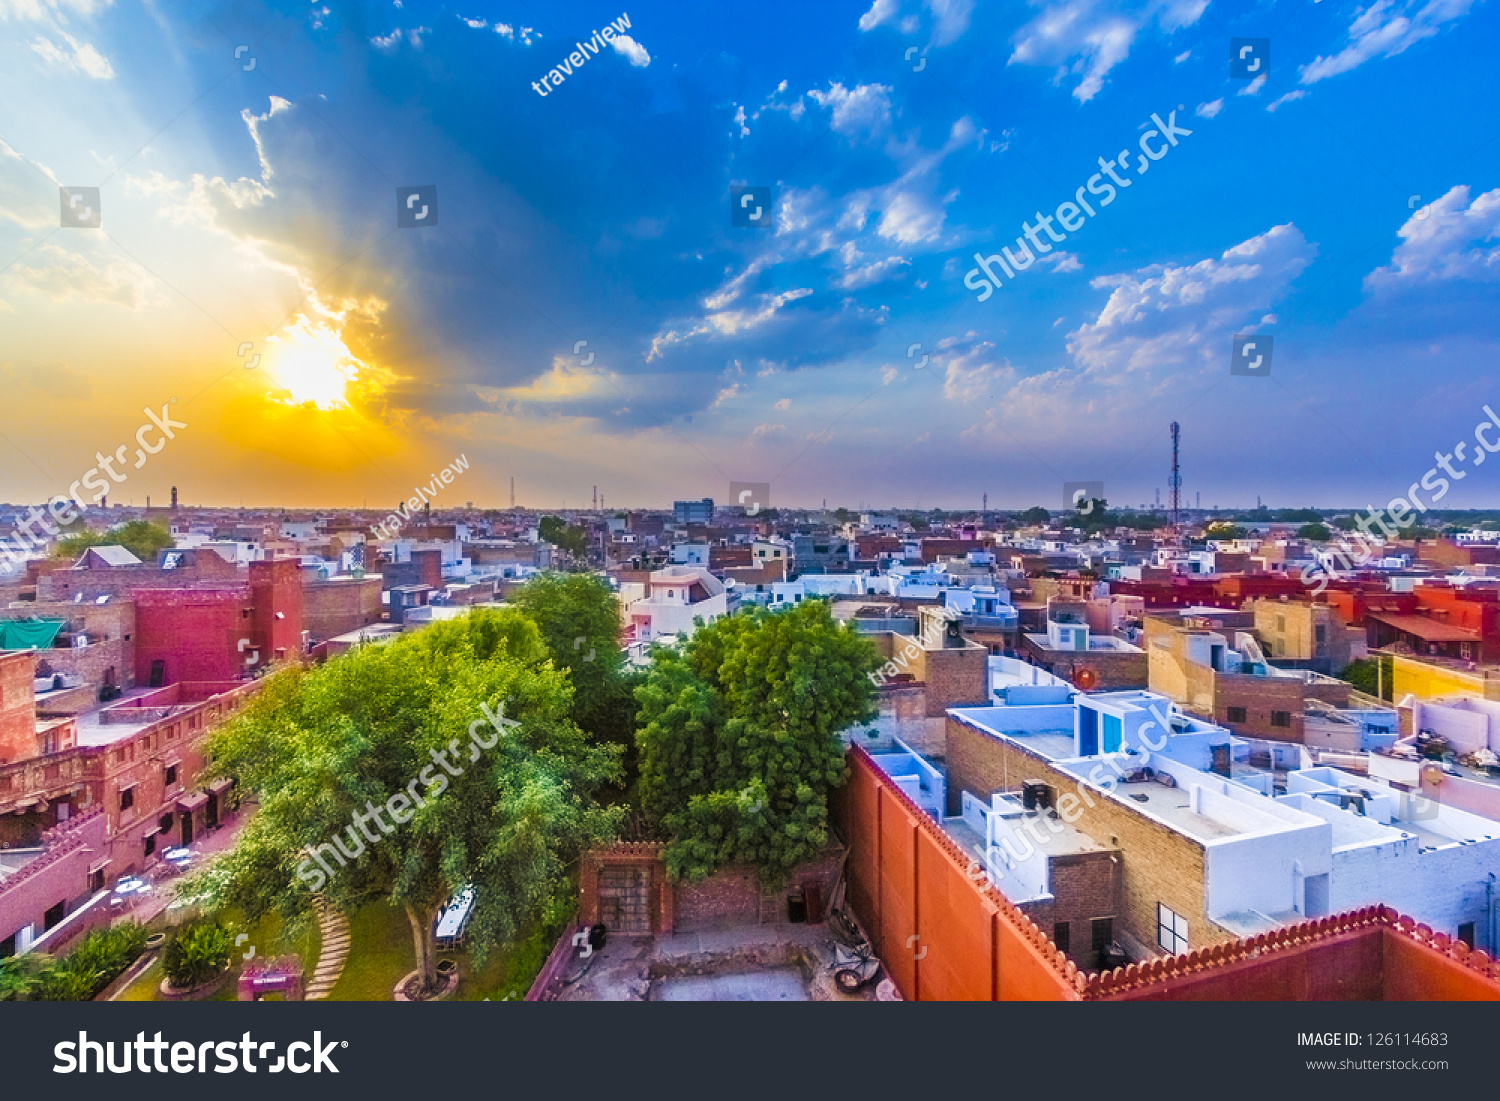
[
  {"x": 187, "y": 829},
  {"x": 211, "y": 814}
]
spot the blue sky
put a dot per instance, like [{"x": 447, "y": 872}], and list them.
[{"x": 1347, "y": 206}]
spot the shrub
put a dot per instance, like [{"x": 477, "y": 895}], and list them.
[
  {"x": 194, "y": 954},
  {"x": 78, "y": 977}
]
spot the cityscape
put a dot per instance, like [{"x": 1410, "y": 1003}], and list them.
[{"x": 916, "y": 501}]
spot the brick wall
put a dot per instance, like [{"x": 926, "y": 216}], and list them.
[
  {"x": 194, "y": 631},
  {"x": 333, "y": 607},
  {"x": 1157, "y": 864},
  {"x": 1084, "y": 888},
  {"x": 17, "y": 706}
]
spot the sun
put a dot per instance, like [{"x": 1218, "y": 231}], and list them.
[{"x": 312, "y": 366}]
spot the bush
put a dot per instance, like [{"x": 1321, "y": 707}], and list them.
[
  {"x": 89, "y": 968},
  {"x": 194, "y": 954}
]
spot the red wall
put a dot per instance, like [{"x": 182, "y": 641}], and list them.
[
  {"x": 195, "y": 631},
  {"x": 17, "y": 706}
]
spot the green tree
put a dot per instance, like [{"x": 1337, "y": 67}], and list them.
[
  {"x": 1317, "y": 532},
  {"x": 1223, "y": 529},
  {"x": 141, "y": 538},
  {"x": 579, "y": 617},
  {"x": 1369, "y": 678},
  {"x": 366, "y": 741},
  {"x": 739, "y": 737},
  {"x": 1036, "y": 515},
  {"x": 555, "y": 530}
]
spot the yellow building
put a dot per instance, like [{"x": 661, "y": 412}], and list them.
[{"x": 1435, "y": 678}]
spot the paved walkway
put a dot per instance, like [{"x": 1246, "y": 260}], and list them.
[{"x": 334, "y": 929}]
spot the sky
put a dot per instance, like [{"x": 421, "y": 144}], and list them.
[{"x": 582, "y": 312}]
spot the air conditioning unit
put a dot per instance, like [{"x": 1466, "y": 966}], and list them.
[{"x": 1036, "y": 795}]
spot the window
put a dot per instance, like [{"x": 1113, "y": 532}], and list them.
[
  {"x": 1466, "y": 933},
  {"x": 1171, "y": 930},
  {"x": 1320, "y": 633},
  {"x": 1102, "y": 932},
  {"x": 96, "y": 880},
  {"x": 127, "y": 798},
  {"x": 164, "y": 823},
  {"x": 1281, "y": 718},
  {"x": 150, "y": 844},
  {"x": 1237, "y": 715},
  {"x": 1280, "y": 624},
  {"x": 171, "y": 775},
  {"x": 1060, "y": 935}
]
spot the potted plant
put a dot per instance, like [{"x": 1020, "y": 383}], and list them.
[{"x": 196, "y": 960}]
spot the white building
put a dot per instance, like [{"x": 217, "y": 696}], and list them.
[{"x": 675, "y": 597}]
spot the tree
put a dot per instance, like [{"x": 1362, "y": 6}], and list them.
[
  {"x": 1223, "y": 529},
  {"x": 739, "y": 737},
  {"x": 140, "y": 537},
  {"x": 1036, "y": 515},
  {"x": 555, "y": 530},
  {"x": 1368, "y": 677},
  {"x": 1318, "y": 532},
  {"x": 579, "y": 617},
  {"x": 330, "y": 751}
]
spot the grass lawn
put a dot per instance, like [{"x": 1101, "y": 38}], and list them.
[
  {"x": 265, "y": 937},
  {"x": 381, "y": 953}
]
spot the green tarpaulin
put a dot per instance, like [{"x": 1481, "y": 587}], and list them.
[{"x": 24, "y": 634}]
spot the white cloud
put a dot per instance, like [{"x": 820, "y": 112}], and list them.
[
  {"x": 950, "y": 18},
  {"x": 1290, "y": 97},
  {"x": 1091, "y": 37},
  {"x": 784, "y": 403},
  {"x": 1210, "y": 109},
  {"x": 1385, "y": 29},
  {"x": 866, "y": 109},
  {"x": 1445, "y": 240},
  {"x": 971, "y": 371},
  {"x": 1180, "y": 58},
  {"x": 1254, "y": 87},
  {"x": 60, "y": 275},
  {"x": 78, "y": 56},
  {"x": 631, "y": 50},
  {"x": 1063, "y": 261}
]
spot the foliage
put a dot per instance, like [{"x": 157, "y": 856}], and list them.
[
  {"x": 1367, "y": 677},
  {"x": 739, "y": 737},
  {"x": 1344, "y": 523},
  {"x": 316, "y": 747},
  {"x": 89, "y": 968},
  {"x": 579, "y": 617},
  {"x": 1036, "y": 515},
  {"x": 1317, "y": 532},
  {"x": 140, "y": 537},
  {"x": 196, "y": 953},
  {"x": 555, "y": 530},
  {"x": 1223, "y": 529}
]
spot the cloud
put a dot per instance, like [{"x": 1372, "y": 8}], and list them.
[
  {"x": 949, "y": 18},
  {"x": 1062, "y": 261},
  {"x": 631, "y": 50},
  {"x": 1291, "y": 97},
  {"x": 1254, "y": 87},
  {"x": 1088, "y": 38},
  {"x": 79, "y": 57},
  {"x": 60, "y": 275},
  {"x": 866, "y": 109},
  {"x": 1450, "y": 239},
  {"x": 390, "y": 42},
  {"x": 784, "y": 403},
  {"x": 1210, "y": 109},
  {"x": 1385, "y": 29},
  {"x": 971, "y": 371}
]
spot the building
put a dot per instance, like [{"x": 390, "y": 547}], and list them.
[
  {"x": 1302, "y": 635},
  {"x": 1070, "y": 649},
  {"x": 693, "y": 512},
  {"x": 671, "y": 602}
]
